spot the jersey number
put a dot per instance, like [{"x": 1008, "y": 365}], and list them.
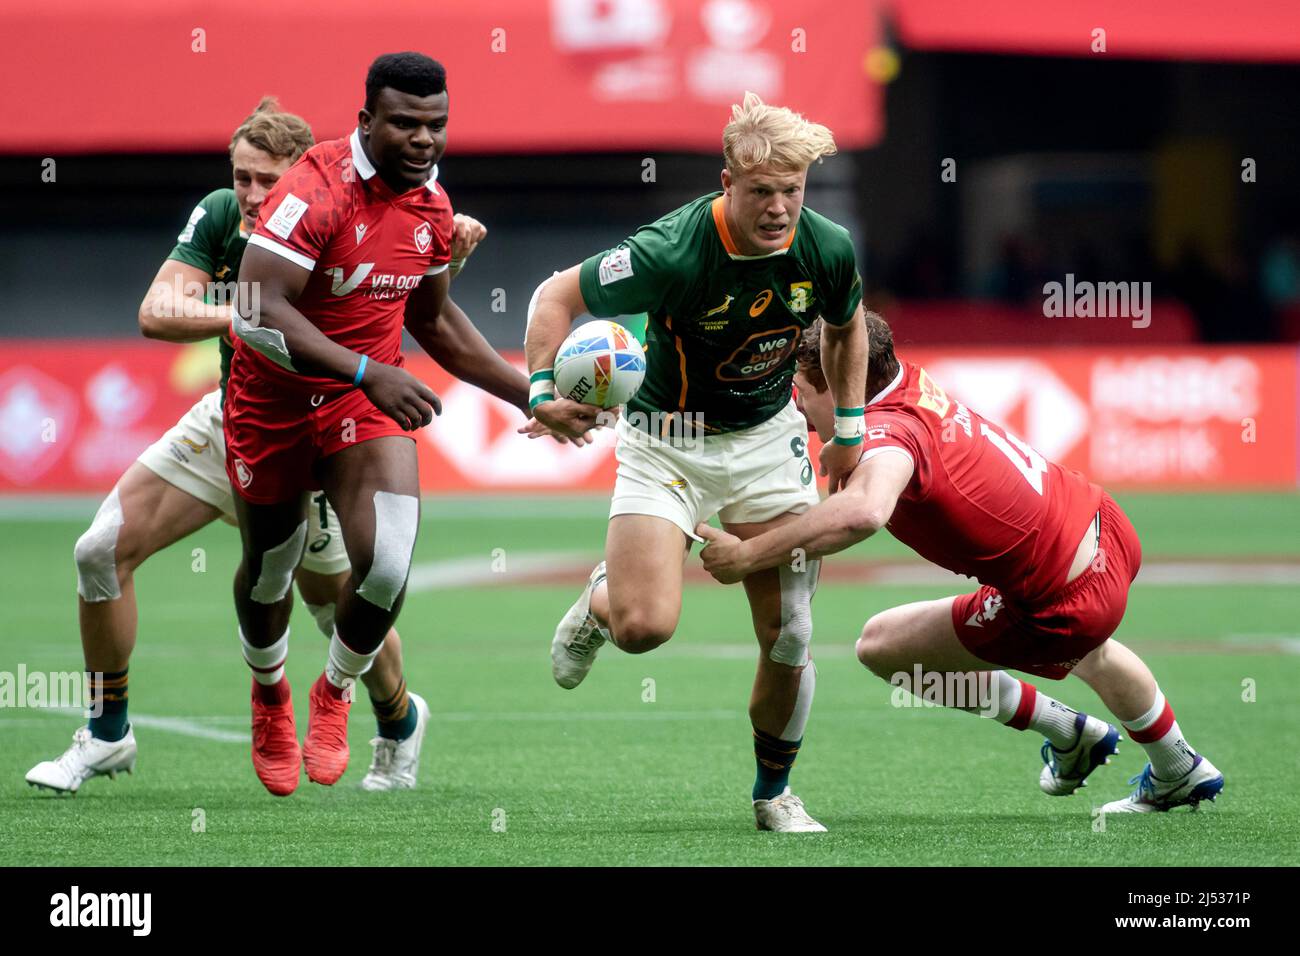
[{"x": 1028, "y": 462}]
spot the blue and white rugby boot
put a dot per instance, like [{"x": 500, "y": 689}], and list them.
[
  {"x": 1067, "y": 770},
  {"x": 1202, "y": 782}
]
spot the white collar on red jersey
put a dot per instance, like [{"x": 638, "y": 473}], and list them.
[
  {"x": 365, "y": 169},
  {"x": 898, "y": 380}
]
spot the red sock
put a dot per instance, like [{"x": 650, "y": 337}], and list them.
[
  {"x": 328, "y": 687},
  {"x": 273, "y": 694}
]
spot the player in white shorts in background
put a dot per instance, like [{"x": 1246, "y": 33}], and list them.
[
  {"x": 179, "y": 484},
  {"x": 729, "y": 281}
]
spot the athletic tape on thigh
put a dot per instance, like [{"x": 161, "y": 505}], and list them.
[
  {"x": 797, "y": 590},
  {"x": 396, "y": 520},
  {"x": 323, "y": 615},
  {"x": 802, "y": 704},
  {"x": 96, "y": 553},
  {"x": 278, "y": 566}
]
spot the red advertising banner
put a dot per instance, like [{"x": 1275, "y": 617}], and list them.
[
  {"x": 1178, "y": 29},
  {"x": 74, "y": 416},
  {"x": 523, "y": 75}
]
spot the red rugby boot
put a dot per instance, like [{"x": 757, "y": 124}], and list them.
[
  {"x": 276, "y": 756},
  {"x": 325, "y": 750}
]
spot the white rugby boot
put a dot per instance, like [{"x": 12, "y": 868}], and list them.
[
  {"x": 1202, "y": 782},
  {"x": 396, "y": 763},
  {"x": 578, "y": 637},
  {"x": 87, "y": 757},
  {"x": 1067, "y": 770},
  {"x": 785, "y": 813}
]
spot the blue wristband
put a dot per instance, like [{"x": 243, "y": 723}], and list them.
[{"x": 361, "y": 369}]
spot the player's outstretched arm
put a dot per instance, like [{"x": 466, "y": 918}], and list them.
[
  {"x": 855, "y": 514},
  {"x": 271, "y": 324},
  {"x": 844, "y": 361},
  {"x": 173, "y": 309},
  {"x": 556, "y": 303},
  {"x": 453, "y": 341}
]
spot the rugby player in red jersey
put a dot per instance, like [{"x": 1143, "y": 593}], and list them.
[
  {"x": 351, "y": 245},
  {"x": 1054, "y": 554}
]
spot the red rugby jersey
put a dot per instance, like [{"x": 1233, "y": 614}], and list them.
[
  {"x": 981, "y": 502},
  {"x": 367, "y": 247}
]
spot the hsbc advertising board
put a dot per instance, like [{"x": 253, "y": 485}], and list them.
[{"x": 73, "y": 417}]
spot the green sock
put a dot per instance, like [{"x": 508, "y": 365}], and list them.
[
  {"x": 396, "y": 716},
  {"x": 774, "y": 758},
  {"x": 108, "y": 696}
]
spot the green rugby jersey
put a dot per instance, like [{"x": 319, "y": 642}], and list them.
[
  {"x": 723, "y": 327},
  {"x": 214, "y": 240}
]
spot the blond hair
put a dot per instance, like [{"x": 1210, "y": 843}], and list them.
[
  {"x": 759, "y": 133},
  {"x": 280, "y": 134}
]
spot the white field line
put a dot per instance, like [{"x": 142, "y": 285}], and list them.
[
  {"x": 200, "y": 726},
  {"x": 433, "y": 508},
  {"x": 520, "y": 568},
  {"x": 1283, "y": 643},
  {"x": 187, "y": 727},
  {"x": 515, "y": 568}
]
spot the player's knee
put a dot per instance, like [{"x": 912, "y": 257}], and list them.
[
  {"x": 873, "y": 647},
  {"x": 275, "y": 574},
  {"x": 99, "y": 577},
  {"x": 637, "y": 632},
  {"x": 794, "y": 628},
  {"x": 323, "y": 615},
  {"x": 396, "y": 519}
]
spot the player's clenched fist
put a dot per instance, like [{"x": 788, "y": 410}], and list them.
[
  {"x": 837, "y": 463},
  {"x": 467, "y": 233},
  {"x": 400, "y": 395},
  {"x": 723, "y": 554}
]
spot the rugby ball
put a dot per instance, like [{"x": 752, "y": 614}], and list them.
[{"x": 600, "y": 363}]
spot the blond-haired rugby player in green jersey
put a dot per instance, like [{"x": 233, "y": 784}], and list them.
[
  {"x": 179, "y": 484},
  {"x": 730, "y": 282}
]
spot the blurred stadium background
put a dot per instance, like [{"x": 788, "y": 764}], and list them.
[
  {"x": 986, "y": 149},
  {"x": 983, "y": 154}
]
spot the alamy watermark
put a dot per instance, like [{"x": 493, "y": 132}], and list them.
[
  {"x": 40, "y": 689},
  {"x": 964, "y": 690},
  {"x": 1102, "y": 300},
  {"x": 681, "y": 430}
]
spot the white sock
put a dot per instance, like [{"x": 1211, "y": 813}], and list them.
[
  {"x": 1158, "y": 734},
  {"x": 802, "y": 704},
  {"x": 346, "y": 665},
  {"x": 1024, "y": 707},
  {"x": 266, "y": 663}
]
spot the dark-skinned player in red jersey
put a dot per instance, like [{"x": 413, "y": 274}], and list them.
[
  {"x": 1054, "y": 554},
  {"x": 351, "y": 245}
]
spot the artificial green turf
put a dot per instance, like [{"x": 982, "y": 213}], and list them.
[{"x": 599, "y": 775}]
